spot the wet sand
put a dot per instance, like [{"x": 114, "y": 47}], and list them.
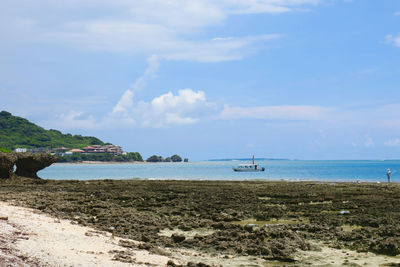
[{"x": 227, "y": 223}]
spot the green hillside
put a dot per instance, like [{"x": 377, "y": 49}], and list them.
[{"x": 19, "y": 132}]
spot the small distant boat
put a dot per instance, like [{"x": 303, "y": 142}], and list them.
[{"x": 248, "y": 167}]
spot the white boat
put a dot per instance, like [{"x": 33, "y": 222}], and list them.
[{"x": 248, "y": 168}]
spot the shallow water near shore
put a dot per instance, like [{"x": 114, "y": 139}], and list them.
[{"x": 292, "y": 170}]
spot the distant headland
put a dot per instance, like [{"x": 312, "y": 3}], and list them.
[{"x": 20, "y": 135}]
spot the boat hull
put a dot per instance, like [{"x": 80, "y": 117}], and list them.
[{"x": 248, "y": 170}]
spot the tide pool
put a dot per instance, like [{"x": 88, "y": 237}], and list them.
[{"x": 294, "y": 170}]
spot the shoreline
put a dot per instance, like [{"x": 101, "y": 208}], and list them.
[
  {"x": 100, "y": 162},
  {"x": 112, "y": 162},
  {"x": 271, "y": 180}
]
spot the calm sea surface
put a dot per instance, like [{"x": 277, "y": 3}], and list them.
[{"x": 294, "y": 170}]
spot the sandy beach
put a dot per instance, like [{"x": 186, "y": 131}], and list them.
[
  {"x": 32, "y": 238},
  {"x": 198, "y": 223}
]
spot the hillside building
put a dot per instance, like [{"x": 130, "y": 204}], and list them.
[{"x": 116, "y": 150}]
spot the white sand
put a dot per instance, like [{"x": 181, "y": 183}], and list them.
[{"x": 54, "y": 242}]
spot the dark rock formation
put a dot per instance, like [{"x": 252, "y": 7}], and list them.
[
  {"x": 7, "y": 161},
  {"x": 178, "y": 238},
  {"x": 29, "y": 164}
]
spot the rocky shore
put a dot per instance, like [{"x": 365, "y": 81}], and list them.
[
  {"x": 268, "y": 221},
  {"x": 26, "y": 164}
]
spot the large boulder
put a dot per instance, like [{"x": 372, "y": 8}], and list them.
[
  {"x": 7, "y": 161},
  {"x": 29, "y": 164}
]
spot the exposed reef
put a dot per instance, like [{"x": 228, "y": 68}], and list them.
[
  {"x": 267, "y": 220},
  {"x": 7, "y": 161},
  {"x": 27, "y": 164}
]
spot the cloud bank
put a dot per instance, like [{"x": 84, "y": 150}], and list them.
[
  {"x": 185, "y": 107},
  {"x": 167, "y": 28}
]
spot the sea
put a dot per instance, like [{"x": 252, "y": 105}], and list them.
[{"x": 288, "y": 170}]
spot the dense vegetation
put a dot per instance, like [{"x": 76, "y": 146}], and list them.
[
  {"x": 155, "y": 158},
  {"x": 77, "y": 157},
  {"x": 19, "y": 132}
]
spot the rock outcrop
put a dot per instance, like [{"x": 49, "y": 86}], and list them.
[
  {"x": 7, "y": 161},
  {"x": 29, "y": 164}
]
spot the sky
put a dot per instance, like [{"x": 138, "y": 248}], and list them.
[{"x": 296, "y": 79}]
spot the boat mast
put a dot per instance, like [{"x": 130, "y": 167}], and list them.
[{"x": 253, "y": 159}]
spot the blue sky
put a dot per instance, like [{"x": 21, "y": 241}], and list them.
[{"x": 299, "y": 79}]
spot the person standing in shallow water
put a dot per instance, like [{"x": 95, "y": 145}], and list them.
[{"x": 388, "y": 174}]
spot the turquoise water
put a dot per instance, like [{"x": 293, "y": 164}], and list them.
[{"x": 334, "y": 170}]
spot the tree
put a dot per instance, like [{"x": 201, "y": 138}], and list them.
[
  {"x": 155, "y": 158},
  {"x": 134, "y": 156},
  {"x": 176, "y": 158},
  {"x": 19, "y": 132}
]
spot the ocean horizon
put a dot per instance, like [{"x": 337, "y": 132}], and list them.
[{"x": 276, "y": 169}]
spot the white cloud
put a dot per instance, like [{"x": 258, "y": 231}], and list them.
[
  {"x": 126, "y": 101},
  {"x": 397, "y": 13},
  {"x": 153, "y": 66},
  {"x": 219, "y": 49},
  {"x": 186, "y": 100},
  {"x": 139, "y": 38},
  {"x": 267, "y": 6},
  {"x": 166, "y": 28},
  {"x": 166, "y": 109},
  {"x": 393, "y": 39},
  {"x": 275, "y": 113},
  {"x": 183, "y": 15},
  {"x": 186, "y": 107},
  {"x": 393, "y": 142}
]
